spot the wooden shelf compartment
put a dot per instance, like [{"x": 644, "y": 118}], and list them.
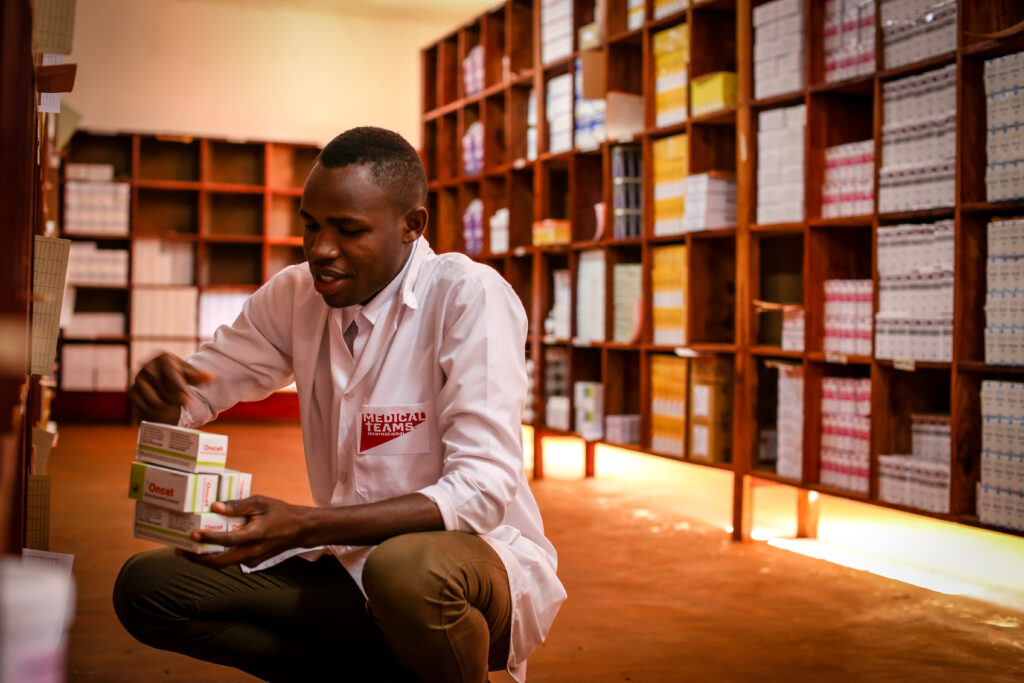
[
  {"x": 833, "y": 118},
  {"x": 221, "y": 263},
  {"x": 712, "y": 39},
  {"x": 280, "y": 256},
  {"x": 521, "y": 202},
  {"x": 764, "y": 390},
  {"x": 814, "y": 373},
  {"x": 977, "y": 19},
  {"x": 232, "y": 214},
  {"x": 832, "y": 254},
  {"x": 519, "y": 44},
  {"x": 288, "y": 165},
  {"x": 712, "y": 147},
  {"x": 616, "y": 21},
  {"x": 777, "y": 265},
  {"x": 97, "y": 148},
  {"x": 495, "y": 146},
  {"x": 495, "y": 33},
  {"x": 157, "y": 212},
  {"x": 711, "y": 291},
  {"x": 972, "y": 115},
  {"x": 518, "y": 99},
  {"x": 467, "y": 38},
  {"x": 447, "y": 79},
  {"x": 284, "y": 220},
  {"x": 428, "y": 76},
  {"x": 234, "y": 163},
  {"x": 168, "y": 158}
]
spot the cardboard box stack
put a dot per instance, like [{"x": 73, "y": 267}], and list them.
[
  {"x": 170, "y": 312},
  {"x": 531, "y": 392},
  {"x": 551, "y": 231},
  {"x": 918, "y": 142},
  {"x": 921, "y": 479},
  {"x": 627, "y": 191},
  {"x": 588, "y": 405},
  {"x": 559, "y": 113},
  {"x": 94, "y": 203},
  {"x": 849, "y": 187},
  {"x": 712, "y": 91},
  {"x": 845, "y": 433},
  {"x": 671, "y": 166},
  {"x": 473, "y": 227},
  {"x": 849, "y": 39},
  {"x": 789, "y": 422},
  {"x": 914, "y": 30},
  {"x": 1000, "y": 499},
  {"x": 473, "y": 148},
  {"x": 178, "y": 474},
  {"x": 915, "y": 296},
  {"x": 635, "y": 11},
  {"x": 531, "y": 125},
  {"x": 711, "y": 409},
  {"x": 162, "y": 262},
  {"x": 668, "y": 296},
  {"x": 473, "y": 70},
  {"x": 498, "y": 223},
  {"x": 590, "y": 286},
  {"x": 90, "y": 266},
  {"x": 218, "y": 308},
  {"x": 793, "y": 328},
  {"x": 556, "y": 387},
  {"x": 556, "y": 30},
  {"x": 669, "y": 389},
  {"x": 664, "y": 8},
  {"x": 848, "y": 305},
  {"x": 780, "y": 165},
  {"x": 671, "y": 62},
  {"x": 778, "y": 48},
  {"x": 559, "y": 320},
  {"x": 1004, "y": 306},
  {"x": 589, "y": 113},
  {"x": 622, "y": 429},
  {"x": 627, "y": 282},
  {"x": 1004, "y": 92},
  {"x": 94, "y": 367},
  {"x": 710, "y": 201}
]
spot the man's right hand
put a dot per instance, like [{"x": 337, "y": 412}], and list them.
[{"x": 160, "y": 388}]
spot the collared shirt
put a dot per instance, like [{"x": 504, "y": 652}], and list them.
[{"x": 433, "y": 405}]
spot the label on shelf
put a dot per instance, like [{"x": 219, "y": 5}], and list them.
[
  {"x": 625, "y": 139},
  {"x": 906, "y": 364},
  {"x": 549, "y": 339},
  {"x": 582, "y": 343},
  {"x": 684, "y": 352},
  {"x": 519, "y": 164},
  {"x": 833, "y": 357}
]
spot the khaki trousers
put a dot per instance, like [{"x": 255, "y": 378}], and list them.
[{"x": 438, "y": 608}]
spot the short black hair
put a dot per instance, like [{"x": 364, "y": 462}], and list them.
[{"x": 395, "y": 164}]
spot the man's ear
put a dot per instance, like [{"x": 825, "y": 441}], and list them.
[{"x": 415, "y": 223}]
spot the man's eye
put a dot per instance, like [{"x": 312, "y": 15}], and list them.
[{"x": 311, "y": 227}]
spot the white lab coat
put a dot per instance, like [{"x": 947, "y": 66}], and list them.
[{"x": 434, "y": 403}]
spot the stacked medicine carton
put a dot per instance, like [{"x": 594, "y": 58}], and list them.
[
  {"x": 1004, "y": 91},
  {"x": 671, "y": 58},
  {"x": 556, "y": 387},
  {"x": 94, "y": 367},
  {"x": 499, "y": 231},
  {"x": 711, "y": 409},
  {"x": 627, "y": 191},
  {"x": 845, "y": 433},
  {"x": 473, "y": 148},
  {"x": 914, "y": 30},
  {"x": 588, "y": 404},
  {"x": 473, "y": 226},
  {"x": 218, "y": 308},
  {"x": 664, "y": 8},
  {"x": 849, "y": 187},
  {"x": 710, "y": 201},
  {"x": 1004, "y": 306},
  {"x": 559, "y": 320},
  {"x": 915, "y": 297},
  {"x": 918, "y": 142},
  {"x": 671, "y": 166},
  {"x": 780, "y": 164},
  {"x": 627, "y": 285},
  {"x": 589, "y": 114},
  {"x": 849, "y": 39},
  {"x": 848, "y": 306},
  {"x": 789, "y": 422},
  {"x": 669, "y": 389},
  {"x": 158, "y": 261},
  {"x": 473, "y": 70},
  {"x": 179, "y": 473},
  {"x": 590, "y": 286},
  {"x": 1001, "y": 489},
  {"x": 531, "y": 392},
  {"x": 556, "y": 30},
  {"x": 559, "y": 113},
  {"x": 668, "y": 295},
  {"x": 712, "y": 91},
  {"x": 921, "y": 479},
  {"x": 94, "y": 203},
  {"x": 778, "y": 48},
  {"x": 622, "y": 429},
  {"x": 88, "y": 265},
  {"x": 635, "y": 10}
]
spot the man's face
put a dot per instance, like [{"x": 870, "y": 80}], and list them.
[{"x": 356, "y": 237}]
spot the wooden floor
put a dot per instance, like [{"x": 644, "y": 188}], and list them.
[{"x": 654, "y": 594}]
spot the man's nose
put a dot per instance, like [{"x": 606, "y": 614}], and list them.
[{"x": 325, "y": 246}]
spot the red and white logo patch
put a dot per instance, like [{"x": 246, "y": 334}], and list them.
[{"x": 393, "y": 430}]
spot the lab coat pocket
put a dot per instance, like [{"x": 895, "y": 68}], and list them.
[{"x": 394, "y": 450}]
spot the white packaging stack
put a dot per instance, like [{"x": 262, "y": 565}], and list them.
[
  {"x": 914, "y": 30},
  {"x": 849, "y": 39},
  {"x": 710, "y": 202},
  {"x": 531, "y": 125},
  {"x": 559, "y": 320},
  {"x": 845, "y": 433},
  {"x": 95, "y": 325},
  {"x": 789, "y": 423},
  {"x": 1004, "y": 93},
  {"x": 848, "y": 305},
  {"x": 662, "y": 8},
  {"x": 635, "y": 10},
  {"x": 622, "y": 429},
  {"x": 589, "y": 131},
  {"x": 778, "y": 48},
  {"x": 627, "y": 191},
  {"x": 793, "y": 328},
  {"x": 556, "y": 30},
  {"x": 921, "y": 479},
  {"x": 915, "y": 296},
  {"x": 473, "y": 148},
  {"x": 590, "y": 287},
  {"x": 556, "y": 388},
  {"x": 557, "y": 412},
  {"x": 780, "y": 164},
  {"x": 144, "y": 350},
  {"x": 849, "y": 187},
  {"x": 559, "y": 113},
  {"x": 88, "y": 265},
  {"x": 93, "y": 202},
  {"x": 1000, "y": 500},
  {"x": 1004, "y": 304},
  {"x": 94, "y": 367},
  {"x": 498, "y": 223},
  {"x": 473, "y": 227},
  {"x": 531, "y": 392},
  {"x": 627, "y": 282},
  {"x": 162, "y": 262},
  {"x": 218, "y": 308},
  {"x": 918, "y": 142},
  {"x": 473, "y": 70},
  {"x": 588, "y": 406},
  {"x": 164, "y": 312}
]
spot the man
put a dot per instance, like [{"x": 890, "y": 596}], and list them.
[{"x": 425, "y": 555}]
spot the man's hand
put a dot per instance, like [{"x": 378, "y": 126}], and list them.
[
  {"x": 160, "y": 388},
  {"x": 273, "y": 527}
]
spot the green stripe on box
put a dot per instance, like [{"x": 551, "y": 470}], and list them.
[
  {"x": 160, "y": 531},
  {"x": 138, "y": 480},
  {"x": 170, "y": 454}
]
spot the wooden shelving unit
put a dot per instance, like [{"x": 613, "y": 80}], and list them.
[
  {"x": 235, "y": 204},
  {"x": 730, "y": 268}
]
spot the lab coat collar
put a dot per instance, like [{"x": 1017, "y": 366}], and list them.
[{"x": 420, "y": 254}]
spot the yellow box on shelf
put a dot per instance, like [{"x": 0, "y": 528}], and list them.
[
  {"x": 712, "y": 92},
  {"x": 671, "y": 49},
  {"x": 671, "y": 166},
  {"x": 551, "y": 231}
]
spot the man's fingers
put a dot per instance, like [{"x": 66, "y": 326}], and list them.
[
  {"x": 194, "y": 375},
  {"x": 245, "y": 507}
]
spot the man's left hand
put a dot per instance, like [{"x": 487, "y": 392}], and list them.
[{"x": 274, "y": 526}]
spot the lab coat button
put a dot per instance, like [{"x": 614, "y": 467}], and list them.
[{"x": 348, "y": 396}]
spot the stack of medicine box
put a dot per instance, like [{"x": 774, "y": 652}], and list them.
[
  {"x": 588, "y": 405},
  {"x": 918, "y": 142},
  {"x": 179, "y": 473},
  {"x": 158, "y": 261},
  {"x": 793, "y": 328},
  {"x": 218, "y": 308},
  {"x": 531, "y": 392},
  {"x": 556, "y": 387},
  {"x": 849, "y": 39},
  {"x": 1004, "y": 306},
  {"x": 94, "y": 367},
  {"x": 671, "y": 166},
  {"x": 778, "y": 48},
  {"x": 669, "y": 389},
  {"x": 711, "y": 410},
  {"x": 848, "y": 305},
  {"x": 90, "y": 325},
  {"x": 668, "y": 294},
  {"x": 473, "y": 226},
  {"x": 531, "y": 125},
  {"x": 88, "y": 265},
  {"x": 166, "y": 312},
  {"x": 915, "y": 296},
  {"x": 710, "y": 201},
  {"x": 627, "y": 284},
  {"x": 712, "y": 91},
  {"x": 845, "y": 433},
  {"x": 94, "y": 203},
  {"x": 622, "y": 429},
  {"x": 921, "y": 479},
  {"x": 589, "y": 114},
  {"x": 914, "y": 30},
  {"x": 473, "y": 70},
  {"x": 559, "y": 113},
  {"x": 789, "y": 422},
  {"x": 590, "y": 287},
  {"x": 551, "y": 231},
  {"x": 498, "y": 223},
  {"x": 671, "y": 59},
  {"x": 780, "y": 165},
  {"x": 556, "y": 30},
  {"x": 849, "y": 187},
  {"x": 627, "y": 191},
  {"x": 473, "y": 148},
  {"x": 663, "y": 8},
  {"x": 635, "y": 11},
  {"x": 1001, "y": 489},
  {"x": 1004, "y": 92},
  {"x": 559, "y": 320}
]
